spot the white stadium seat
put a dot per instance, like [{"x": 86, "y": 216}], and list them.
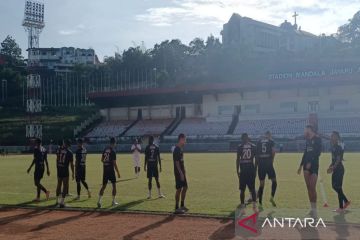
[
  {"x": 149, "y": 127},
  {"x": 109, "y": 129},
  {"x": 199, "y": 126}
]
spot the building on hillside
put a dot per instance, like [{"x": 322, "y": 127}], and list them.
[
  {"x": 64, "y": 59},
  {"x": 264, "y": 37}
]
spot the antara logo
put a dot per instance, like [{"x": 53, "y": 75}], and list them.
[
  {"x": 293, "y": 222},
  {"x": 253, "y": 219},
  {"x": 249, "y": 223}
]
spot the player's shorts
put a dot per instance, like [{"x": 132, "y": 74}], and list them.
[
  {"x": 136, "y": 161},
  {"x": 180, "y": 184},
  {"x": 337, "y": 177},
  {"x": 152, "y": 171},
  {"x": 62, "y": 172},
  {"x": 80, "y": 174},
  {"x": 39, "y": 173},
  {"x": 314, "y": 168},
  {"x": 247, "y": 178},
  {"x": 109, "y": 175},
  {"x": 266, "y": 169}
]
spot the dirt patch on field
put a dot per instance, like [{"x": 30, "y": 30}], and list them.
[
  {"x": 44, "y": 224},
  {"x": 53, "y": 224}
]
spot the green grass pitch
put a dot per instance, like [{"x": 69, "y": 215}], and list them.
[{"x": 213, "y": 184}]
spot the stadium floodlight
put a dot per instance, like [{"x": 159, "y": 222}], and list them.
[
  {"x": 34, "y": 24},
  {"x": 33, "y": 21}
]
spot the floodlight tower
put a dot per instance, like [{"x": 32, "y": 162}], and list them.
[{"x": 33, "y": 23}]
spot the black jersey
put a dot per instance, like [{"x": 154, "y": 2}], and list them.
[
  {"x": 64, "y": 157},
  {"x": 337, "y": 153},
  {"x": 265, "y": 150},
  {"x": 80, "y": 156},
  {"x": 109, "y": 157},
  {"x": 178, "y": 156},
  {"x": 40, "y": 157},
  {"x": 152, "y": 155},
  {"x": 312, "y": 151},
  {"x": 246, "y": 153}
]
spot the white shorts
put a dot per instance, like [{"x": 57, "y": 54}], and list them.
[{"x": 136, "y": 161}]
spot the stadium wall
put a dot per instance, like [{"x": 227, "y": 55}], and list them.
[{"x": 328, "y": 100}]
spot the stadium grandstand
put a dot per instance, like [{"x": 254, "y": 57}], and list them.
[{"x": 214, "y": 115}]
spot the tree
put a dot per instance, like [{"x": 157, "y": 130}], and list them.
[
  {"x": 170, "y": 57},
  {"x": 197, "y": 46},
  {"x": 350, "y": 32},
  {"x": 10, "y": 48}
]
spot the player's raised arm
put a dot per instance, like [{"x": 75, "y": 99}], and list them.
[{"x": 133, "y": 147}]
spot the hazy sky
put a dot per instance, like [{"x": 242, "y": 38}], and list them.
[{"x": 108, "y": 25}]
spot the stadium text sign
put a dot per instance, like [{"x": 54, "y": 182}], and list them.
[{"x": 314, "y": 74}]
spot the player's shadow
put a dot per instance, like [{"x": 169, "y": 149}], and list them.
[
  {"x": 126, "y": 179},
  {"x": 230, "y": 217},
  {"x": 56, "y": 222},
  {"x": 74, "y": 200},
  {"x": 308, "y": 233},
  {"x": 123, "y": 180},
  {"x": 33, "y": 202},
  {"x": 128, "y": 205},
  {"x": 224, "y": 232},
  {"x": 23, "y": 216},
  {"x": 341, "y": 226},
  {"x": 150, "y": 227}
]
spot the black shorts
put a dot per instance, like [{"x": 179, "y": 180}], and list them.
[
  {"x": 180, "y": 184},
  {"x": 152, "y": 171},
  {"x": 314, "y": 168},
  {"x": 247, "y": 178},
  {"x": 337, "y": 177},
  {"x": 266, "y": 169},
  {"x": 39, "y": 173},
  {"x": 62, "y": 172},
  {"x": 109, "y": 175},
  {"x": 80, "y": 174}
]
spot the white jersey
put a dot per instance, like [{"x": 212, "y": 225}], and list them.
[{"x": 136, "y": 148}]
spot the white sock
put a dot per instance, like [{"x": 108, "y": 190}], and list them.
[
  {"x": 100, "y": 197},
  {"x": 159, "y": 192},
  {"x": 113, "y": 197},
  {"x": 149, "y": 193},
  {"x": 313, "y": 206}
]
